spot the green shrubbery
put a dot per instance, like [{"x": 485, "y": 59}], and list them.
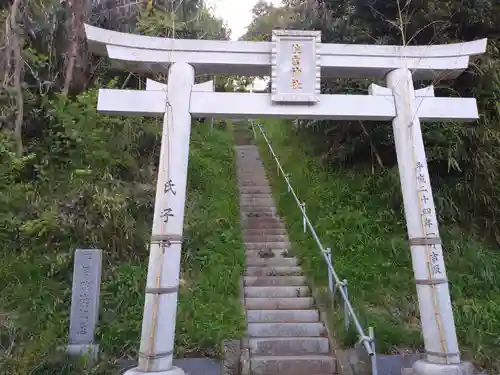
[
  {"x": 88, "y": 181},
  {"x": 360, "y": 216}
]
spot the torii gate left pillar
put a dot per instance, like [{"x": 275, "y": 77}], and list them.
[{"x": 162, "y": 286}]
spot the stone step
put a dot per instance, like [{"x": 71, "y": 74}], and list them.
[
  {"x": 276, "y": 223},
  {"x": 289, "y": 345},
  {"x": 266, "y": 262},
  {"x": 253, "y": 184},
  {"x": 298, "y": 303},
  {"x": 293, "y": 365},
  {"x": 247, "y": 203},
  {"x": 281, "y": 316},
  {"x": 266, "y": 254},
  {"x": 267, "y": 245},
  {"x": 249, "y": 167},
  {"x": 252, "y": 176},
  {"x": 267, "y": 199},
  {"x": 259, "y": 215},
  {"x": 251, "y": 172},
  {"x": 265, "y": 232},
  {"x": 285, "y": 329},
  {"x": 265, "y": 219},
  {"x": 265, "y": 238},
  {"x": 263, "y": 223},
  {"x": 277, "y": 291},
  {"x": 244, "y": 147},
  {"x": 273, "y": 271},
  {"x": 258, "y": 212},
  {"x": 249, "y": 155},
  {"x": 258, "y": 209},
  {"x": 263, "y": 189},
  {"x": 275, "y": 280},
  {"x": 252, "y": 181},
  {"x": 257, "y": 197}
]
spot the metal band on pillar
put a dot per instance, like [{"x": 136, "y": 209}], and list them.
[
  {"x": 424, "y": 241},
  {"x": 155, "y": 356},
  {"x": 171, "y": 290},
  {"x": 431, "y": 281},
  {"x": 166, "y": 238}
]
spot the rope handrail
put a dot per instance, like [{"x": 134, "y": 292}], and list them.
[{"x": 368, "y": 340}]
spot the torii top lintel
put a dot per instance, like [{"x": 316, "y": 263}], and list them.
[{"x": 146, "y": 54}]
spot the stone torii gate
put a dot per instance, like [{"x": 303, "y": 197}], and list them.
[{"x": 295, "y": 60}]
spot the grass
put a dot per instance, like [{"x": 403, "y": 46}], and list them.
[
  {"x": 359, "y": 215},
  {"x": 35, "y": 295}
]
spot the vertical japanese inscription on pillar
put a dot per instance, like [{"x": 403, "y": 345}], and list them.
[
  {"x": 296, "y": 69},
  {"x": 168, "y": 189},
  {"x": 429, "y": 220}
]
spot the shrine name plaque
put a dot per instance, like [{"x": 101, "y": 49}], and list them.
[{"x": 296, "y": 67}]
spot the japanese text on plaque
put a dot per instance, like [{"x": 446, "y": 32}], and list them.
[{"x": 296, "y": 66}]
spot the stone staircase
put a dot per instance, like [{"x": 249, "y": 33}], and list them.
[{"x": 285, "y": 334}]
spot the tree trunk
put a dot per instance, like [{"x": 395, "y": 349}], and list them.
[
  {"x": 76, "y": 72},
  {"x": 14, "y": 61}
]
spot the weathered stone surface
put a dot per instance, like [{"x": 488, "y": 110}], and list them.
[
  {"x": 273, "y": 271},
  {"x": 263, "y": 223},
  {"x": 265, "y": 238},
  {"x": 264, "y": 231},
  {"x": 289, "y": 345},
  {"x": 274, "y": 280},
  {"x": 85, "y": 296},
  {"x": 199, "y": 366},
  {"x": 298, "y": 303},
  {"x": 231, "y": 362},
  {"x": 266, "y": 253},
  {"x": 264, "y": 200},
  {"x": 252, "y": 196},
  {"x": 277, "y": 291},
  {"x": 282, "y": 316},
  {"x": 255, "y": 189},
  {"x": 267, "y": 245},
  {"x": 280, "y": 261},
  {"x": 258, "y": 210},
  {"x": 395, "y": 364},
  {"x": 286, "y": 329},
  {"x": 293, "y": 365}
]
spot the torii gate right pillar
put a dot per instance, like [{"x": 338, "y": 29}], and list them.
[{"x": 438, "y": 326}]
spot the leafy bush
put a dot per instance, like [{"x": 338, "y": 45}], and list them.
[
  {"x": 88, "y": 181},
  {"x": 359, "y": 215}
]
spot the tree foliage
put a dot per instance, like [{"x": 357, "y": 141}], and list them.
[{"x": 72, "y": 178}]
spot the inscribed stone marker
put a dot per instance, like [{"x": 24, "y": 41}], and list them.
[{"x": 85, "y": 296}]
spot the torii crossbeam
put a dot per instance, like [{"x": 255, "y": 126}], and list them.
[{"x": 295, "y": 60}]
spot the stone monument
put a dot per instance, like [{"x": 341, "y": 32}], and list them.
[{"x": 85, "y": 303}]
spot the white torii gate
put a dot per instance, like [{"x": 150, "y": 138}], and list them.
[{"x": 296, "y": 60}]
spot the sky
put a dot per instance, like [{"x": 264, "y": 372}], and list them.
[{"x": 236, "y": 13}]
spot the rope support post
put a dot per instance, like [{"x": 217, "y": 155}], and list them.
[
  {"x": 346, "y": 310},
  {"x": 330, "y": 276},
  {"x": 304, "y": 223}
]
